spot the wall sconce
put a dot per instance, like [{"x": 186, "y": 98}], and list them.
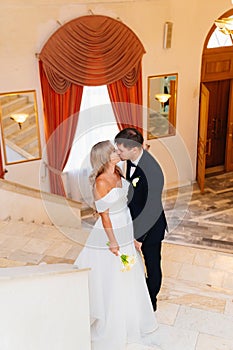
[
  {"x": 162, "y": 98},
  {"x": 167, "y": 39},
  {"x": 19, "y": 118}
]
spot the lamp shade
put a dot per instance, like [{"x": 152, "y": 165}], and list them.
[
  {"x": 19, "y": 117},
  {"x": 162, "y": 98}
]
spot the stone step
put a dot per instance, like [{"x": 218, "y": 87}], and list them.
[
  {"x": 14, "y": 105},
  {"x": 28, "y": 143},
  {"x": 7, "y": 98},
  {"x": 37, "y": 205},
  {"x": 28, "y": 130},
  {"x": 25, "y": 155},
  {"x": 87, "y": 211}
]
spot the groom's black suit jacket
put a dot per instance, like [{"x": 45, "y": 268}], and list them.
[{"x": 145, "y": 199}]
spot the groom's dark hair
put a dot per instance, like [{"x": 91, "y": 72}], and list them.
[{"x": 129, "y": 138}]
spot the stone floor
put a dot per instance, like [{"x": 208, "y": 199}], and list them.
[
  {"x": 195, "y": 310},
  {"x": 202, "y": 219}
]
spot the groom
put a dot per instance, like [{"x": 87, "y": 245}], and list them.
[{"x": 145, "y": 204}]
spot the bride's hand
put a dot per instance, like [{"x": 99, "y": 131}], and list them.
[
  {"x": 138, "y": 245},
  {"x": 114, "y": 247}
]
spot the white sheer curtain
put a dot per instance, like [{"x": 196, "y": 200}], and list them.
[{"x": 96, "y": 123}]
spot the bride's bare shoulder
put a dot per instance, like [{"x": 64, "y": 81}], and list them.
[{"x": 101, "y": 188}]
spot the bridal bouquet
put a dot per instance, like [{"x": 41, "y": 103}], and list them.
[{"x": 127, "y": 261}]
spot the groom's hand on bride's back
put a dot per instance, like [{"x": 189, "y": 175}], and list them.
[{"x": 138, "y": 245}]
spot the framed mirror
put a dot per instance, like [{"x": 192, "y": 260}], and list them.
[
  {"x": 162, "y": 99},
  {"x": 19, "y": 126}
]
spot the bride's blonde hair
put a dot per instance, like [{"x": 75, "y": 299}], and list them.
[{"x": 100, "y": 157}]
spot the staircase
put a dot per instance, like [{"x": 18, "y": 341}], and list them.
[
  {"x": 25, "y": 140},
  {"x": 19, "y": 202}
]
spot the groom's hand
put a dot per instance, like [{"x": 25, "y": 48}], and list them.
[{"x": 138, "y": 245}]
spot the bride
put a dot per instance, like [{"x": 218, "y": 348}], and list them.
[{"x": 121, "y": 312}]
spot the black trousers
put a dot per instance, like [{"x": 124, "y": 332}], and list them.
[{"x": 152, "y": 256}]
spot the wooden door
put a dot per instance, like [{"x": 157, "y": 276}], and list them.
[
  {"x": 229, "y": 136},
  {"x": 202, "y": 137},
  {"x": 217, "y": 122}
]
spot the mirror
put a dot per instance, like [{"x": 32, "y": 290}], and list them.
[
  {"x": 162, "y": 96},
  {"x": 19, "y": 124}
]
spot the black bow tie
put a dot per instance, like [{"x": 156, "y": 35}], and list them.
[{"x": 132, "y": 165}]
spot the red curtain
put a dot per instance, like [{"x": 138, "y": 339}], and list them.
[
  {"x": 60, "y": 120},
  {"x": 87, "y": 51},
  {"x": 2, "y": 172},
  {"x": 127, "y": 103}
]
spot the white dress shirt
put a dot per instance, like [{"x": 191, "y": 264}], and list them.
[{"x": 135, "y": 162}]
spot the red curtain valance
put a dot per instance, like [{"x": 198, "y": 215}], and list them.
[{"x": 92, "y": 50}]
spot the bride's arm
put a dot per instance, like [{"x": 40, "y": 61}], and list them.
[
  {"x": 101, "y": 189},
  {"x": 113, "y": 245}
]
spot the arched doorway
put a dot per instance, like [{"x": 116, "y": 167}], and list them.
[{"x": 215, "y": 142}]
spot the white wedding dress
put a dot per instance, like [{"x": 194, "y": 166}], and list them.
[{"x": 121, "y": 312}]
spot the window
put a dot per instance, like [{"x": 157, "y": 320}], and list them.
[
  {"x": 219, "y": 39},
  {"x": 96, "y": 123}
]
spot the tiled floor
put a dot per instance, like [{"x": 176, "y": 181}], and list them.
[
  {"x": 202, "y": 219},
  {"x": 196, "y": 301},
  {"x": 195, "y": 308}
]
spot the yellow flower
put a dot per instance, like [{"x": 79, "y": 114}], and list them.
[
  {"x": 127, "y": 261},
  {"x": 135, "y": 181}
]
